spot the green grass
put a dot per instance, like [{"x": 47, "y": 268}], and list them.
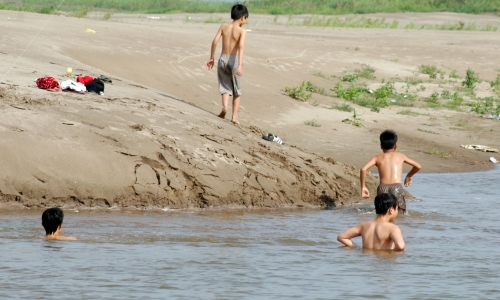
[
  {"x": 347, "y": 22},
  {"x": 487, "y": 105},
  {"x": 462, "y": 123},
  {"x": 413, "y": 81},
  {"x": 430, "y": 70},
  {"x": 312, "y": 123},
  {"x": 215, "y": 20},
  {"x": 344, "y": 107},
  {"x": 453, "y": 74},
  {"x": 355, "y": 121},
  {"x": 359, "y": 95},
  {"x": 427, "y": 131},
  {"x": 82, "y": 11},
  {"x": 496, "y": 83},
  {"x": 460, "y": 25},
  {"x": 106, "y": 17},
  {"x": 438, "y": 152},
  {"x": 275, "y": 7},
  {"x": 408, "y": 112},
  {"x": 365, "y": 71},
  {"x": 311, "y": 87}
]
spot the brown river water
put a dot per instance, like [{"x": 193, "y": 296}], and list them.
[{"x": 452, "y": 235}]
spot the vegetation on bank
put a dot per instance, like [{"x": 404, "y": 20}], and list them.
[
  {"x": 275, "y": 7},
  {"x": 451, "y": 92}
]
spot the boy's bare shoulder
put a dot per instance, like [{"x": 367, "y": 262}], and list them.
[
  {"x": 61, "y": 238},
  {"x": 400, "y": 154},
  {"x": 392, "y": 226}
]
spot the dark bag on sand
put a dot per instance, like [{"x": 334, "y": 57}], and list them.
[{"x": 96, "y": 86}]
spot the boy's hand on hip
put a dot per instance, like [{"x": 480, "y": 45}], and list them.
[
  {"x": 210, "y": 64},
  {"x": 407, "y": 181},
  {"x": 365, "y": 193},
  {"x": 240, "y": 71}
]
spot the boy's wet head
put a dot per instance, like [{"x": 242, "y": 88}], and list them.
[
  {"x": 238, "y": 11},
  {"x": 385, "y": 201},
  {"x": 52, "y": 218},
  {"x": 388, "y": 139}
]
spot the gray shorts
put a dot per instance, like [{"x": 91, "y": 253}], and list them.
[
  {"x": 397, "y": 190},
  {"x": 229, "y": 82}
]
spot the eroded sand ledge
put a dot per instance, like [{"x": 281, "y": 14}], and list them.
[{"x": 152, "y": 152}]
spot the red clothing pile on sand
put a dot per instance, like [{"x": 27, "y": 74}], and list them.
[{"x": 83, "y": 84}]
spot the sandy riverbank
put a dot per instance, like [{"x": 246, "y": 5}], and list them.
[{"x": 140, "y": 146}]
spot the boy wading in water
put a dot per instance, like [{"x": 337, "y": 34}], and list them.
[
  {"x": 390, "y": 169},
  {"x": 52, "y": 219},
  {"x": 230, "y": 64},
  {"x": 379, "y": 234}
]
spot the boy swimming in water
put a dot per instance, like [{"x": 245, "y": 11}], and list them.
[
  {"x": 379, "y": 234},
  {"x": 390, "y": 169},
  {"x": 52, "y": 219},
  {"x": 230, "y": 64}
]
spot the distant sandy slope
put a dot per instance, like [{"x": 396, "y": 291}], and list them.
[
  {"x": 137, "y": 147},
  {"x": 169, "y": 55}
]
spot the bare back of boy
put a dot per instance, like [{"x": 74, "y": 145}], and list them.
[
  {"x": 377, "y": 235},
  {"x": 390, "y": 169},
  {"x": 381, "y": 236},
  {"x": 231, "y": 35},
  {"x": 390, "y": 166}
]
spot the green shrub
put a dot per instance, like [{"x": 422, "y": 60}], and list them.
[
  {"x": 453, "y": 74},
  {"x": 299, "y": 92},
  {"x": 312, "y": 123},
  {"x": 433, "y": 98},
  {"x": 471, "y": 79},
  {"x": 430, "y": 70},
  {"x": 349, "y": 94},
  {"x": 445, "y": 94},
  {"x": 106, "y": 17},
  {"x": 496, "y": 84},
  {"x": 350, "y": 77},
  {"x": 310, "y": 87},
  {"x": 356, "y": 120}
]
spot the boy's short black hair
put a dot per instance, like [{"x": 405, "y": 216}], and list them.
[
  {"x": 388, "y": 139},
  {"x": 238, "y": 11},
  {"x": 51, "y": 219},
  {"x": 385, "y": 201}
]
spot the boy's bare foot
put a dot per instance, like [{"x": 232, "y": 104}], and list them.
[
  {"x": 223, "y": 114},
  {"x": 235, "y": 122}
]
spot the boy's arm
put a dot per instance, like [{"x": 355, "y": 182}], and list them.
[
  {"x": 241, "y": 50},
  {"x": 346, "y": 236},
  {"x": 210, "y": 62},
  {"x": 416, "y": 167},
  {"x": 397, "y": 238},
  {"x": 365, "y": 193}
]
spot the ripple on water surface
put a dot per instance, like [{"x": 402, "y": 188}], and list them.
[{"x": 451, "y": 233}]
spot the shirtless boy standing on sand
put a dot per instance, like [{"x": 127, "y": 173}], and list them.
[
  {"x": 379, "y": 234},
  {"x": 52, "y": 219},
  {"x": 230, "y": 65},
  {"x": 390, "y": 169}
]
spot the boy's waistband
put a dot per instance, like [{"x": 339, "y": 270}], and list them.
[{"x": 228, "y": 56}]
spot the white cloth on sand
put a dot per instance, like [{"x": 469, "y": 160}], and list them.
[
  {"x": 73, "y": 85},
  {"x": 481, "y": 148}
]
